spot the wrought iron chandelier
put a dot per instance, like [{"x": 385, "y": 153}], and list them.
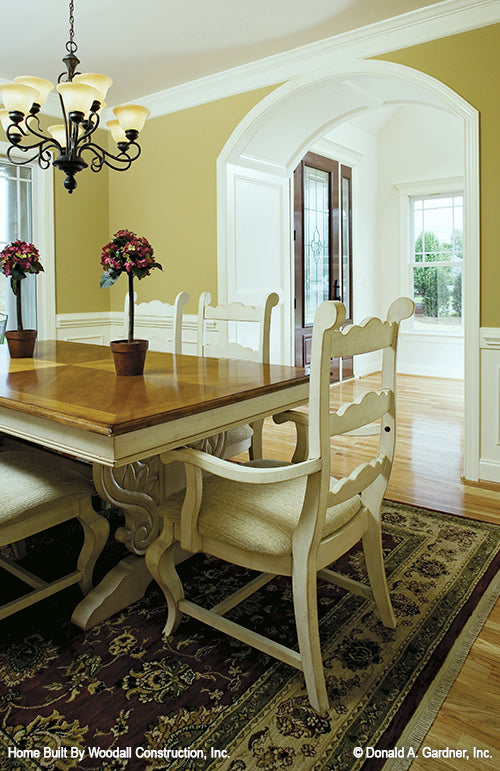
[{"x": 81, "y": 97}]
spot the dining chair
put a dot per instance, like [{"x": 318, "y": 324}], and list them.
[
  {"x": 220, "y": 332},
  {"x": 160, "y": 316},
  {"x": 295, "y": 519},
  {"x": 39, "y": 491}
]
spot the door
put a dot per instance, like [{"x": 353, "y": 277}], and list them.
[{"x": 323, "y": 248}]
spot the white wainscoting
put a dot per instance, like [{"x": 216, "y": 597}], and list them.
[
  {"x": 101, "y": 328},
  {"x": 489, "y": 463}
]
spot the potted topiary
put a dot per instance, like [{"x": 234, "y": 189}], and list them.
[
  {"x": 133, "y": 255},
  {"x": 17, "y": 259}
]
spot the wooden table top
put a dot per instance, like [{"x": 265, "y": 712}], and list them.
[{"x": 75, "y": 384}]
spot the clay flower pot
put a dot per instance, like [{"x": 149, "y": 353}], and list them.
[
  {"x": 129, "y": 357},
  {"x": 21, "y": 343}
]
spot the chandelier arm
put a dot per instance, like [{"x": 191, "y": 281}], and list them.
[
  {"x": 42, "y": 155},
  {"x": 103, "y": 157}
]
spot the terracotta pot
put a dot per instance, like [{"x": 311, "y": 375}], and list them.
[
  {"x": 129, "y": 358},
  {"x": 21, "y": 343}
]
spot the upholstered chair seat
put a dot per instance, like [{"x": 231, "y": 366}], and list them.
[
  {"x": 256, "y": 518},
  {"x": 38, "y": 491}
]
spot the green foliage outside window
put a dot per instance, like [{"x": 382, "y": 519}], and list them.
[{"x": 438, "y": 287}]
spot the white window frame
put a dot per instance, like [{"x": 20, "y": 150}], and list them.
[
  {"x": 421, "y": 189},
  {"x": 42, "y": 192}
]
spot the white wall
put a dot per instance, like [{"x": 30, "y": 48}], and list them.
[{"x": 405, "y": 146}]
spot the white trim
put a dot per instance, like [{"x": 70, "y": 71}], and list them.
[
  {"x": 422, "y": 25},
  {"x": 43, "y": 236},
  {"x": 490, "y": 337}
]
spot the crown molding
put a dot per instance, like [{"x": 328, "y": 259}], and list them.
[{"x": 444, "y": 19}]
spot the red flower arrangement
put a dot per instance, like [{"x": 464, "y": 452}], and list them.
[
  {"x": 17, "y": 259},
  {"x": 131, "y": 254}
]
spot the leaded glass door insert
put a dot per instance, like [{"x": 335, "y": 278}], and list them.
[{"x": 323, "y": 250}]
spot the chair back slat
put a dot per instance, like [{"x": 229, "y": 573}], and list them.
[
  {"x": 228, "y": 321},
  {"x": 361, "y": 478},
  {"x": 367, "y": 408},
  {"x": 371, "y": 335},
  {"x": 161, "y": 315}
]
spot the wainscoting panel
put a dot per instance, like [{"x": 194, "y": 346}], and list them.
[{"x": 489, "y": 464}]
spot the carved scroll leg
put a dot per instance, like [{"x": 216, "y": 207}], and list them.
[
  {"x": 161, "y": 558},
  {"x": 96, "y": 531},
  {"x": 135, "y": 490}
]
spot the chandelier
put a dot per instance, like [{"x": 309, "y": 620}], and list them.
[{"x": 81, "y": 98}]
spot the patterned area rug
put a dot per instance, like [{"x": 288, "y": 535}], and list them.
[{"x": 118, "y": 697}]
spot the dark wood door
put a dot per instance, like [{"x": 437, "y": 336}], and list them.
[{"x": 323, "y": 248}]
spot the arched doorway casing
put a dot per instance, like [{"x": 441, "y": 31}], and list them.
[{"x": 254, "y": 194}]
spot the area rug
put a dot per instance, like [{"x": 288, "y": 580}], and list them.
[{"x": 119, "y": 697}]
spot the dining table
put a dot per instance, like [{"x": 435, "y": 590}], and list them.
[{"x": 68, "y": 399}]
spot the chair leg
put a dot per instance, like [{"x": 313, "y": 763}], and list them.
[
  {"x": 96, "y": 532},
  {"x": 160, "y": 560},
  {"x": 256, "y": 452},
  {"x": 306, "y": 620},
  {"x": 372, "y": 547}
]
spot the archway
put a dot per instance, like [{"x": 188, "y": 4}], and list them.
[{"x": 254, "y": 172}]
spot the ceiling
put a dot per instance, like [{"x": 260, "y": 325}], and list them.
[{"x": 152, "y": 45}]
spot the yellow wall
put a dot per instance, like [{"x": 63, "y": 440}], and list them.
[
  {"x": 169, "y": 196},
  {"x": 81, "y": 228},
  {"x": 470, "y": 64}
]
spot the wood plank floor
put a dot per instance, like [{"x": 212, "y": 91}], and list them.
[{"x": 428, "y": 472}]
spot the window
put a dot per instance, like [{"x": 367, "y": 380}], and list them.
[
  {"x": 27, "y": 213},
  {"x": 16, "y": 223},
  {"x": 436, "y": 261}
]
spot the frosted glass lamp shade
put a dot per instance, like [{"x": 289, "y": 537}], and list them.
[
  {"x": 4, "y": 119},
  {"x": 131, "y": 116},
  {"x": 77, "y": 97},
  {"x": 100, "y": 82},
  {"x": 117, "y": 132},
  {"x": 18, "y": 97},
  {"x": 58, "y": 132},
  {"x": 44, "y": 87}
]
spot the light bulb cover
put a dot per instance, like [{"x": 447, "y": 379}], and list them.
[
  {"x": 44, "y": 87},
  {"x": 58, "y": 132},
  {"x": 19, "y": 98},
  {"x": 131, "y": 116},
  {"x": 77, "y": 97},
  {"x": 100, "y": 82},
  {"x": 116, "y": 130}
]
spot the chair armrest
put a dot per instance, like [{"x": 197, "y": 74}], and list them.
[
  {"x": 239, "y": 473},
  {"x": 301, "y": 420}
]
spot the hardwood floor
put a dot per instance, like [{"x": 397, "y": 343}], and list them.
[{"x": 428, "y": 472}]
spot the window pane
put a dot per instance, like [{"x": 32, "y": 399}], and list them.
[
  {"x": 437, "y": 238},
  {"x": 437, "y": 292},
  {"x": 316, "y": 241},
  {"x": 346, "y": 246},
  {"x": 15, "y": 223}
]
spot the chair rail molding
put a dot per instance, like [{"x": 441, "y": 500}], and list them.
[{"x": 489, "y": 464}]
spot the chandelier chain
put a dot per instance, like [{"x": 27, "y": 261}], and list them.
[{"x": 71, "y": 46}]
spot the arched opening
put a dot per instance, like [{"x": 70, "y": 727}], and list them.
[{"x": 254, "y": 192}]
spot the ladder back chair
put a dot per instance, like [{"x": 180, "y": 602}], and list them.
[
  {"x": 293, "y": 519},
  {"x": 161, "y": 315},
  {"x": 229, "y": 321},
  {"x": 40, "y": 491}
]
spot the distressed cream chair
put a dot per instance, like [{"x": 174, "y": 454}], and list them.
[
  {"x": 229, "y": 322},
  {"x": 37, "y": 492},
  {"x": 292, "y": 519},
  {"x": 164, "y": 318}
]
